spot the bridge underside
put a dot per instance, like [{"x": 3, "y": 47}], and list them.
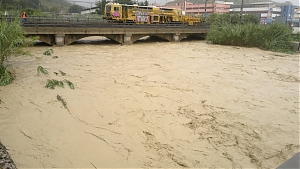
[{"x": 66, "y": 39}]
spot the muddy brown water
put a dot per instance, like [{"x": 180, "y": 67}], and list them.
[{"x": 154, "y": 104}]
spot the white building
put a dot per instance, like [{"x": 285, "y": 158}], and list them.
[
  {"x": 89, "y": 10},
  {"x": 267, "y": 10},
  {"x": 297, "y": 13}
]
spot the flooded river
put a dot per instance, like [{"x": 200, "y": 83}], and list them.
[{"x": 154, "y": 104}]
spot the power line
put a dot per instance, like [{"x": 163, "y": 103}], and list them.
[
  {"x": 91, "y": 3},
  {"x": 83, "y": 2}
]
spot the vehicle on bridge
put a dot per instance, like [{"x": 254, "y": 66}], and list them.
[{"x": 147, "y": 14}]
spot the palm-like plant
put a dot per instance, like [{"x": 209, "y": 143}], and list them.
[{"x": 42, "y": 70}]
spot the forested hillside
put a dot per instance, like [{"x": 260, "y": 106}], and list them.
[
  {"x": 43, "y": 5},
  {"x": 234, "y": 1}
]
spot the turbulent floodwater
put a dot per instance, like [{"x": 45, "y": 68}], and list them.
[{"x": 155, "y": 104}]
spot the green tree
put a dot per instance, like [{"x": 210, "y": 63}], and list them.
[
  {"x": 101, "y": 6},
  {"x": 75, "y": 9},
  {"x": 55, "y": 9},
  {"x": 251, "y": 18},
  {"x": 44, "y": 5},
  {"x": 24, "y": 3},
  {"x": 128, "y": 2},
  {"x": 229, "y": 18},
  {"x": 12, "y": 40},
  {"x": 143, "y": 3},
  {"x": 29, "y": 11},
  {"x": 8, "y": 4}
]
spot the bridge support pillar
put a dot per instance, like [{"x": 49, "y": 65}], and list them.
[
  {"x": 176, "y": 37},
  {"x": 127, "y": 39},
  {"x": 60, "y": 39}
]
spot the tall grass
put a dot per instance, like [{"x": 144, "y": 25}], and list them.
[
  {"x": 5, "y": 76},
  {"x": 230, "y": 18},
  {"x": 296, "y": 37},
  {"x": 274, "y": 37},
  {"x": 12, "y": 40}
]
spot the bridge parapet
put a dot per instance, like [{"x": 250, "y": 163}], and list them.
[{"x": 124, "y": 34}]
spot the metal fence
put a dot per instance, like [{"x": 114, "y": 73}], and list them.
[{"x": 38, "y": 21}]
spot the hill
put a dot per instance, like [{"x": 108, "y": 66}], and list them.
[
  {"x": 43, "y": 5},
  {"x": 234, "y": 1},
  {"x": 55, "y": 5},
  {"x": 63, "y": 4}
]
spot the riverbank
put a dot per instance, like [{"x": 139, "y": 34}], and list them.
[{"x": 5, "y": 160}]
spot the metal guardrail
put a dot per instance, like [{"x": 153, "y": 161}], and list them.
[{"x": 37, "y": 21}]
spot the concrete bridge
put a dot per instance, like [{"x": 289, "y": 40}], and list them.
[{"x": 65, "y": 33}]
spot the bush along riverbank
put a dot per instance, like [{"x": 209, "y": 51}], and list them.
[
  {"x": 12, "y": 41},
  {"x": 5, "y": 160},
  {"x": 226, "y": 30}
]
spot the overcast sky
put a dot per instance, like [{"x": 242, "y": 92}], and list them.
[{"x": 161, "y": 2}]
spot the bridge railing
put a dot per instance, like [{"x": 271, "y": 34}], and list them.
[
  {"x": 38, "y": 21},
  {"x": 53, "y": 20}
]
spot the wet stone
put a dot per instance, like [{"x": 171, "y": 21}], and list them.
[
  {"x": 5, "y": 161},
  {"x": 2, "y": 155}
]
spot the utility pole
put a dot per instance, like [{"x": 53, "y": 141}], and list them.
[
  {"x": 91, "y": 8},
  {"x": 185, "y": 7},
  {"x": 100, "y": 6},
  {"x": 205, "y": 8},
  {"x": 205, "y": 11},
  {"x": 241, "y": 12}
]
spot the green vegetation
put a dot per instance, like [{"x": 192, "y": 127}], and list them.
[
  {"x": 42, "y": 70},
  {"x": 64, "y": 103},
  {"x": 52, "y": 83},
  {"x": 219, "y": 19},
  {"x": 75, "y": 9},
  {"x": 226, "y": 30},
  {"x": 31, "y": 5},
  {"x": 48, "y": 52},
  {"x": 71, "y": 85},
  {"x": 12, "y": 40},
  {"x": 62, "y": 73},
  {"x": 5, "y": 76},
  {"x": 234, "y": 1},
  {"x": 296, "y": 37}
]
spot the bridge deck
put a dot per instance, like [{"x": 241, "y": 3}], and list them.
[{"x": 64, "y": 31}]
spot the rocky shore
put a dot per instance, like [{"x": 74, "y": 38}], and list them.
[{"x": 5, "y": 161}]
